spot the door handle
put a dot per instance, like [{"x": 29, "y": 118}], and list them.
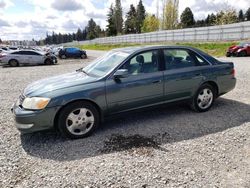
[{"x": 156, "y": 81}]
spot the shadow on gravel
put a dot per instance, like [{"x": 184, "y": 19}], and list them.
[{"x": 145, "y": 131}]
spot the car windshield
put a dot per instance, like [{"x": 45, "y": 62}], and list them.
[
  {"x": 105, "y": 64},
  {"x": 242, "y": 44}
]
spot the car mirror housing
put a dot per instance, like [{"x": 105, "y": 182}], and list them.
[{"x": 121, "y": 73}]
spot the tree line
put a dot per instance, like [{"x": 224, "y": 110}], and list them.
[{"x": 137, "y": 20}]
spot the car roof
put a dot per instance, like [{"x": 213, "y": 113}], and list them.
[{"x": 152, "y": 47}]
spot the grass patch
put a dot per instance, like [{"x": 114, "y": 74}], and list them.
[{"x": 215, "y": 49}]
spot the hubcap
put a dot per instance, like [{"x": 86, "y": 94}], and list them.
[
  {"x": 80, "y": 121},
  {"x": 205, "y": 98}
]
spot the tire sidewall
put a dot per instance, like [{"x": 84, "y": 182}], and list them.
[
  {"x": 195, "y": 105},
  {"x": 67, "y": 110},
  {"x": 13, "y": 60}
]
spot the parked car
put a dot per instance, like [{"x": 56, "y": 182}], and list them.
[
  {"x": 18, "y": 57},
  {"x": 240, "y": 50},
  {"x": 123, "y": 80},
  {"x": 72, "y": 53}
]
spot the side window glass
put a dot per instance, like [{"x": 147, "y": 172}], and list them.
[
  {"x": 176, "y": 59},
  {"x": 201, "y": 61},
  {"x": 146, "y": 62}
]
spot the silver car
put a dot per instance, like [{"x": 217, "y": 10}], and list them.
[{"x": 27, "y": 57}]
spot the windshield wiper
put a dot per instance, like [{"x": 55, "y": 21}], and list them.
[{"x": 81, "y": 70}]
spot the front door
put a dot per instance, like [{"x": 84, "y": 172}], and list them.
[{"x": 143, "y": 85}]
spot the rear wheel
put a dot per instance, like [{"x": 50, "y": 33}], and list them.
[
  {"x": 243, "y": 54},
  {"x": 13, "y": 63},
  {"x": 63, "y": 56},
  {"x": 78, "y": 120},
  {"x": 203, "y": 99}
]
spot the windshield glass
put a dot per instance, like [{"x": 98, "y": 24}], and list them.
[
  {"x": 242, "y": 44},
  {"x": 105, "y": 64}
]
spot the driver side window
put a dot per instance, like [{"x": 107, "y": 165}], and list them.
[{"x": 146, "y": 62}]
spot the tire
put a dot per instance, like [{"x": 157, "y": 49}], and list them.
[
  {"x": 78, "y": 120},
  {"x": 243, "y": 54},
  {"x": 13, "y": 63},
  {"x": 203, "y": 98},
  {"x": 228, "y": 55},
  {"x": 83, "y": 56},
  {"x": 48, "y": 62},
  {"x": 63, "y": 56}
]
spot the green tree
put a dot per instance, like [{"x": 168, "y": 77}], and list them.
[
  {"x": 1, "y": 41},
  {"x": 111, "y": 28},
  {"x": 241, "y": 16},
  {"x": 170, "y": 14},
  {"x": 118, "y": 17},
  {"x": 130, "y": 23},
  {"x": 247, "y": 14},
  {"x": 140, "y": 16},
  {"x": 226, "y": 17},
  {"x": 212, "y": 20},
  {"x": 187, "y": 18},
  {"x": 79, "y": 34},
  {"x": 150, "y": 23},
  {"x": 93, "y": 30}
]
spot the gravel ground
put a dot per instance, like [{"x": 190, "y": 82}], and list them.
[{"x": 164, "y": 147}]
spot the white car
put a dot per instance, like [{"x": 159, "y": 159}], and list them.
[{"x": 15, "y": 58}]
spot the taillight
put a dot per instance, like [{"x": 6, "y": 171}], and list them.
[{"x": 233, "y": 72}]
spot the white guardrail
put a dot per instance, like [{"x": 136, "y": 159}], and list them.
[{"x": 230, "y": 32}]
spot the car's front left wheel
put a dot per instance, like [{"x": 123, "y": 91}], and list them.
[{"x": 78, "y": 120}]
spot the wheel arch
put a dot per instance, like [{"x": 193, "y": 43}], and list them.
[
  {"x": 214, "y": 85},
  {"x": 14, "y": 60},
  {"x": 77, "y": 100}
]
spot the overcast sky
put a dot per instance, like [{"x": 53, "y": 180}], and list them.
[{"x": 27, "y": 19}]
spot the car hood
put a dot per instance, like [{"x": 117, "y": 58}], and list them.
[
  {"x": 235, "y": 48},
  {"x": 40, "y": 87}
]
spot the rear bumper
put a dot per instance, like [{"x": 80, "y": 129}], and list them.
[
  {"x": 27, "y": 121},
  {"x": 228, "y": 86}
]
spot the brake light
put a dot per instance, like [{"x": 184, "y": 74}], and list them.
[{"x": 233, "y": 72}]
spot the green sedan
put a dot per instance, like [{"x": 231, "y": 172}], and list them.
[{"x": 122, "y": 80}]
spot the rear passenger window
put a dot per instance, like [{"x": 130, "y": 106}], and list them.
[
  {"x": 176, "y": 59},
  {"x": 201, "y": 61}
]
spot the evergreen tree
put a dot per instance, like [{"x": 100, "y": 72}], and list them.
[
  {"x": 118, "y": 17},
  {"x": 187, "y": 18},
  {"x": 140, "y": 16},
  {"x": 79, "y": 35},
  {"x": 247, "y": 14},
  {"x": 111, "y": 28},
  {"x": 212, "y": 20},
  {"x": 130, "y": 23},
  {"x": 241, "y": 16},
  {"x": 93, "y": 30},
  {"x": 1, "y": 41}
]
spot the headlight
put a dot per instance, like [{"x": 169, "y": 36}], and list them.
[{"x": 35, "y": 103}]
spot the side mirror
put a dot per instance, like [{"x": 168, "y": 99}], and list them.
[{"x": 121, "y": 73}]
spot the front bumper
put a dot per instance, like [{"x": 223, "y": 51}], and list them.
[{"x": 27, "y": 121}]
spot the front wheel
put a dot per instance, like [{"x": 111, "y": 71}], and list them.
[
  {"x": 242, "y": 54},
  {"x": 84, "y": 56},
  {"x": 203, "y": 99},
  {"x": 78, "y": 120}
]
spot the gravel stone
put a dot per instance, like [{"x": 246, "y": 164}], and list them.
[{"x": 165, "y": 147}]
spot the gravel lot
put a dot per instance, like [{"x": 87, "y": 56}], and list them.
[{"x": 164, "y": 147}]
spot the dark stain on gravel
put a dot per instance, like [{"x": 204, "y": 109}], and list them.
[{"x": 119, "y": 142}]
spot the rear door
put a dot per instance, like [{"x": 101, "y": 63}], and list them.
[
  {"x": 143, "y": 86},
  {"x": 182, "y": 75}
]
